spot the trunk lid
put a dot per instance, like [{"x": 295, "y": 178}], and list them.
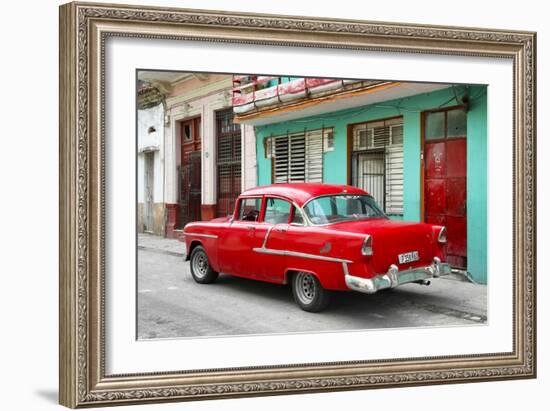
[{"x": 391, "y": 238}]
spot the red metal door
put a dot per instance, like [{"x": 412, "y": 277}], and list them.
[
  {"x": 236, "y": 245},
  {"x": 239, "y": 257},
  {"x": 445, "y": 193}
]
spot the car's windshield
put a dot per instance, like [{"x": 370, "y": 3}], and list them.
[{"x": 345, "y": 207}]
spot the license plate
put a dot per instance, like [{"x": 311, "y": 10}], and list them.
[{"x": 408, "y": 257}]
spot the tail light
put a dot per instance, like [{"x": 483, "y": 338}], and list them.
[
  {"x": 442, "y": 237},
  {"x": 366, "y": 249}
]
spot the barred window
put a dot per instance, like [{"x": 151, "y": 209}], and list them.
[{"x": 377, "y": 162}]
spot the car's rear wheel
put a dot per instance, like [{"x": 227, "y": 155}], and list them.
[
  {"x": 308, "y": 292},
  {"x": 201, "y": 270}
]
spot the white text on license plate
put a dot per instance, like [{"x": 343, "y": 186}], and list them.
[{"x": 408, "y": 257}]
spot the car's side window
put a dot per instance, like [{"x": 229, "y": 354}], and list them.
[
  {"x": 277, "y": 211},
  {"x": 249, "y": 209},
  {"x": 318, "y": 210}
]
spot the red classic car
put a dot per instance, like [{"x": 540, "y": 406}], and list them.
[{"x": 318, "y": 238}]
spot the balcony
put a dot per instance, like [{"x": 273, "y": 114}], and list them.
[
  {"x": 259, "y": 100},
  {"x": 252, "y": 94}
]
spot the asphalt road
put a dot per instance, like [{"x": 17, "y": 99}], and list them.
[{"x": 171, "y": 305}]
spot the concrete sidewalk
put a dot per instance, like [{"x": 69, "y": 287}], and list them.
[{"x": 162, "y": 245}]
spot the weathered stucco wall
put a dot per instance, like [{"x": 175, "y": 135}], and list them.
[
  {"x": 188, "y": 99},
  {"x": 158, "y": 219},
  {"x": 248, "y": 156},
  {"x": 151, "y": 142}
]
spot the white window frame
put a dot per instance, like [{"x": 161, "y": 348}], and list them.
[
  {"x": 392, "y": 151},
  {"x": 328, "y": 140}
]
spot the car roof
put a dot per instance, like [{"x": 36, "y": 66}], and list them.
[{"x": 300, "y": 193}]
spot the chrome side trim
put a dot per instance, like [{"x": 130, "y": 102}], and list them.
[
  {"x": 305, "y": 218},
  {"x": 200, "y": 235},
  {"x": 345, "y": 268},
  {"x": 442, "y": 236},
  {"x": 264, "y": 250},
  {"x": 393, "y": 277},
  {"x": 267, "y": 235}
]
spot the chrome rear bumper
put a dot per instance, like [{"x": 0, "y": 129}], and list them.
[{"x": 394, "y": 277}]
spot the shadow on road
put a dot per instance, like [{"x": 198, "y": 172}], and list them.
[{"x": 344, "y": 302}]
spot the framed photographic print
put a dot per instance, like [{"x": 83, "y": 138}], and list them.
[{"x": 260, "y": 204}]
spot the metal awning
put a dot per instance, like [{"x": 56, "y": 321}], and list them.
[{"x": 336, "y": 101}]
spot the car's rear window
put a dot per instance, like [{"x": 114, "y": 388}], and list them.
[{"x": 345, "y": 207}]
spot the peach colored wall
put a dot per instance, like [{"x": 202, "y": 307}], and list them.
[{"x": 194, "y": 83}]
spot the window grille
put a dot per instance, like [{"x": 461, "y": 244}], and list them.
[{"x": 377, "y": 162}]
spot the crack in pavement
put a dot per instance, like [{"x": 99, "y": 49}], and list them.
[{"x": 450, "y": 312}]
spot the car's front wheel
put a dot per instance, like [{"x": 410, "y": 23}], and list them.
[
  {"x": 308, "y": 292},
  {"x": 201, "y": 270}
]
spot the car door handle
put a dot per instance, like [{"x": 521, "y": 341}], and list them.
[
  {"x": 251, "y": 228},
  {"x": 281, "y": 229}
]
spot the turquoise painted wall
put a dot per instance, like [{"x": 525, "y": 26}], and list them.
[
  {"x": 411, "y": 166},
  {"x": 476, "y": 200},
  {"x": 335, "y": 162}
]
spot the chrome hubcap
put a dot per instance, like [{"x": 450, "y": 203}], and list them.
[
  {"x": 200, "y": 264},
  {"x": 305, "y": 287}
]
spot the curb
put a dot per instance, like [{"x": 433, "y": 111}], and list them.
[{"x": 160, "y": 251}]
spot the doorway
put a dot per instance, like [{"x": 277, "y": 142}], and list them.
[
  {"x": 190, "y": 180},
  {"x": 445, "y": 179}
]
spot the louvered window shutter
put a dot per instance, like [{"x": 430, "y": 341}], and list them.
[
  {"x": 394, "y": 171},
  {"x": 381, "y": 137},
  {"x": 280, "y": 149},
  {"x": 298, "y": 158},
  {"x": 314, "y": 159}
]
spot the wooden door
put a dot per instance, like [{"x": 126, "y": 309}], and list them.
[
  {"x": 445, "y": 190},
  {"x": 193, "y": 192},
  {"x": 190, "y": 180}
]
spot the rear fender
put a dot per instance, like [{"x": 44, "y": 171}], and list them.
[
  {"x": 330, "y": 281},
  {"x": 291, "y": 271}
]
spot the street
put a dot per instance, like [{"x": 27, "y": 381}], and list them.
[{"x": 171, "y": 304}]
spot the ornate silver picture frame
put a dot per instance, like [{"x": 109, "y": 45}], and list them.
[{"x": 84, "y": 30}]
